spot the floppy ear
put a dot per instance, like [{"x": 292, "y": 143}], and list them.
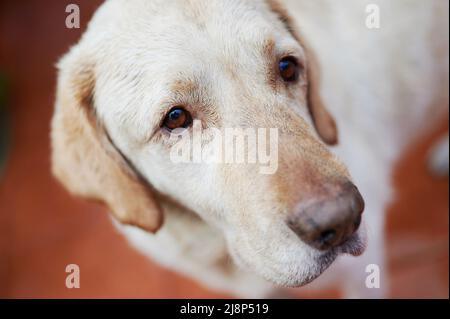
[
  {"x": 323, "y": 121},
  {"x": 84, "y": 159}
]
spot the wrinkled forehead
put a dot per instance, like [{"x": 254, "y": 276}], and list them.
[
  {"x": 245, "y": 21},
  {"x": 193, "y": 31}
]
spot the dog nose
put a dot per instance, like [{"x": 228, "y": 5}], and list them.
[{"x": 329, "y": 223}]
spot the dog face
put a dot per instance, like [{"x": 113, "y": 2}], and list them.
[{"x": 145, "y": 68}]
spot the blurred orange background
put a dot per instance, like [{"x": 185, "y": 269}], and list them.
[{"x": 43, "y": 228}]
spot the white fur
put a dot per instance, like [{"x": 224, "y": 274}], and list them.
[
  {"x": 383, "y": 86},
  {"x": 387, "y": 87}
]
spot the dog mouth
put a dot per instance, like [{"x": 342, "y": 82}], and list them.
[
  {"x": 304, "y": 270},
  {"x": 354, "y": 246}
]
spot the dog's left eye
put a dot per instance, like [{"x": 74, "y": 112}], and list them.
[
  {"x": 178, "y": 117},
  {"x": 289, "y": 69}
]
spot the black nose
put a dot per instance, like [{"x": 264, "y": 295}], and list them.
[{"x": 328, "y": 223}]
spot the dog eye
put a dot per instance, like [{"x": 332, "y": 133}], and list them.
[
  {"x": 177, "y": 118},
  {"x": 289, "y": 69}
]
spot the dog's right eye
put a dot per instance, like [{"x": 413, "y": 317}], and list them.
[
  {"x": 178, "y": 117},
  {"x": 289, "y": 69}
]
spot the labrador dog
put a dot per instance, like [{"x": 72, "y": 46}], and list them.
[{"x": 344, "y": 97}]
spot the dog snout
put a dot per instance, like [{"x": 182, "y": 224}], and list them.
[{"x": 329, "y": 223}]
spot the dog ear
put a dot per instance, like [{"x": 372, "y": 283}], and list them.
[
  {"x": 323, "y": 121},
  {"x": 84, "y": 159}
]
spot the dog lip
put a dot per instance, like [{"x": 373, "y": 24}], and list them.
[
  {"x": 354, "y": 246},
  {"x": 323, "y": 262}
]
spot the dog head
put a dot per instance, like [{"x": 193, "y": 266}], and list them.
[{"x": 147, "y": 68}]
